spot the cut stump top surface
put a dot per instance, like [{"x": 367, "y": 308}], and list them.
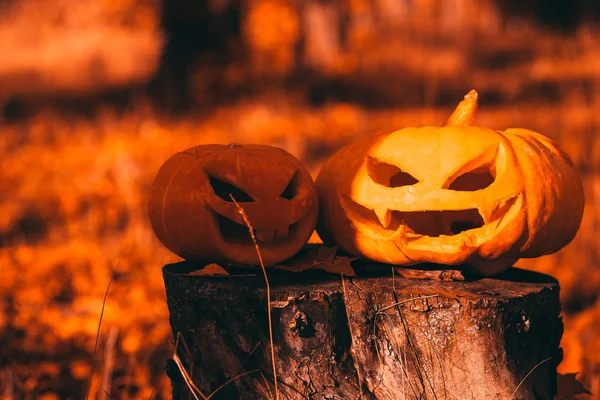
[{"x": 515, "y": 282}]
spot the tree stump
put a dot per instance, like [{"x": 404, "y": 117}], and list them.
[{"x": 373, "y": 336}]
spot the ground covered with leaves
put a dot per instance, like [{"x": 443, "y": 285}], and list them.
[{"x": 74, "y": 207}]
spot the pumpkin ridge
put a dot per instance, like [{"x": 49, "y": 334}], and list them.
[{"x": 164, "y": 203}]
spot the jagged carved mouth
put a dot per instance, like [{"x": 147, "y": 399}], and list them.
[
  {"x": 427, "y": 223},
  {"x": 238, "y": 234},
  {"x": 437, "y": 223}
]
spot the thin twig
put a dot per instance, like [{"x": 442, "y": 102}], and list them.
[
  {"x": 87, "y": 393},
  {"x": 187, "y": 379},
  {"x": 194, "y": 390},
  {"x": 231, "y": 380},
  {"x": 419, "y": 364},
  {"x": 360, "y": 392},
  {"x": 405, "y": 301},
  {"x": 186, "y": 376},
  {"x": 262, "y": 265},
  {"x": 252, "y": 352},
  {"x": 529, "y": 373},
  {"x": 109, "y": 359},
  {"x": 266, "y": 384},
  {"x": 188, "y": 355}
]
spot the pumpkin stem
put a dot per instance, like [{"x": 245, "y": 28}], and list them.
[{"x": 465, "y": 112}]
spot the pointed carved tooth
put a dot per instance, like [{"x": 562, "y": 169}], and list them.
[
  {"x": 384, "y": 215},
  {"x": 487, "y": 212}
]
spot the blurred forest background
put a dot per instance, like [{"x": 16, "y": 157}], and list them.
[{"x": 96, "y": 95}]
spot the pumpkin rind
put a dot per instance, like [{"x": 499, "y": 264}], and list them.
[
  {"x": 531, "y": 203},
  {"x": 195, "y": 222}
]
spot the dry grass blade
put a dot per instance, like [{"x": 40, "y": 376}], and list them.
[
  {"x": 196, "y": 391},
  {"x": 529, "y": 373},
  {"x": 231, "y": 380},
  {"x": 360, "y": 393},
  {"x": 405, "y": 301},
  {"x": 109, "y": 360},
  {"x": 266, "y": 384},
  {"x": 186, "y": 377},
  {"x": 422, "y": 375},
  {"x": 262, "y": 265},
  {"x": 251, "y": 352},
  {"x": 87, "y": 393}
]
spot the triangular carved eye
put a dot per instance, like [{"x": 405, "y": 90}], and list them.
[
  {"x": 225, "y": 189},
  {"x": 291, "y": 190},
  {"x": 387, "y": 174},
  {"x": 477, "y": 179}
]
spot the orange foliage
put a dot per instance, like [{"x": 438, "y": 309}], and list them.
[
  {"x": 271, "y": 31},
  {"x": 88, "y": 183},
  {"x": 60, "y": 46}
]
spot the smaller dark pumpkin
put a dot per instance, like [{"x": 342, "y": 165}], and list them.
[{"x": 193, "y": 215}]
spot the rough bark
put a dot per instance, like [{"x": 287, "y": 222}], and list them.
[{"x": 400, "y": 338}]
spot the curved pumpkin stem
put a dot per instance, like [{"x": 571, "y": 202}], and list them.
[{"x": 465, "y": 112}]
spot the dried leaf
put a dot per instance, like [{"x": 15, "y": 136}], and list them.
[
  {"x": 293, "y": 267},
  {"x": 569, "y": 387},
  {"x": 324, "y": 253},
  {"x": 210, "y": 270},
  {"x": 340, "y": 265},
  {"x": 308, "y": 257},
  {"x": 319, "y": 257},
  {"x": 436, "y": 275}
]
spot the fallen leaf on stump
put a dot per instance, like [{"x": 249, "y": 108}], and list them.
[
  {"x": 340, "y": 265},
  {"x": 321, "y": 258},
  {"x": 435, "y": 275},
  {"x": 210, "y": 270}
]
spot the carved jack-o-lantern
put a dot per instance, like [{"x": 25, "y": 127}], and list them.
[
  {"x": 193, "y": 215},
  {"x": 450, "y": 195}
]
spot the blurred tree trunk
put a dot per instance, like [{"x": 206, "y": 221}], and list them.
[{"x": 322, "y": 40}]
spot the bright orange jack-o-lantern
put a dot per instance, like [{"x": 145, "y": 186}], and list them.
[
  {"x": 193, "y": 215},
  {"x": 451, "y": 195}
]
